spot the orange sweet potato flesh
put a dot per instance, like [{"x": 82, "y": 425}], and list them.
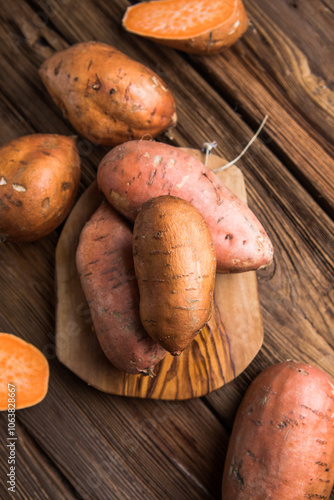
[
  {"x": 23, "y": 366},
  {"x": 175, "y": 265},
  {"x": 136, "y": 171},
  {"x": 282, "y": 443},
  {"x": 39, "y": 178},
  {"x": 108, "y": 97},
  {"x": 195, "y": 26},
  {"x": 105, "y": 264}
]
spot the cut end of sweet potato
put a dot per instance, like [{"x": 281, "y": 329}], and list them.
[
  {"x": 197, "y": 26},
  {"x": 24, "y": 372}
]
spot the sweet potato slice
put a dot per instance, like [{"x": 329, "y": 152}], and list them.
[
  {"x": 23, "y": 367},
  {"x": 199, "y": 27}
]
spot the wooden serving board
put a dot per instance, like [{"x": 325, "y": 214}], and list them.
[{"x": 220, "y": 352}]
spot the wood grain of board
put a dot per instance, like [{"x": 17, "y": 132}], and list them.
[{"x": 220, "y": 352}]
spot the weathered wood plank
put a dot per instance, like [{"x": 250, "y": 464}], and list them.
[
  {"x": 268, "y": 72},
  {"x": 109, "y": 446},
  {"x": 35, "y": 476}
]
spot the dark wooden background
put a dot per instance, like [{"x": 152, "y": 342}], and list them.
[{"x": 80, "y": 443}]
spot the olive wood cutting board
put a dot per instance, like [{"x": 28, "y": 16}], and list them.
[{"x": 220, "y": 352}]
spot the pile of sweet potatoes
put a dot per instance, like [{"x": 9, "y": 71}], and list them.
[
  {"x": 157, "y": 291},
  {"x": 188, "y": 225},
  {"x": 148, "y": 256}
]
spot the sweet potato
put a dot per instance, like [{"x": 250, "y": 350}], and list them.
[
  {"x": 105, "y": 264},
  {"x": 282, "y": 443},
  {"x": 108, "y": 97},
  {"x": 24, "y": 373},
  {"x": 136, "y": 171},
  {"x": 39, "y": 178},
  {"x": 199, "y": 27},
  {"x": 175, "y": 265}
]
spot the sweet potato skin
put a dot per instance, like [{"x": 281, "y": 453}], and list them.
[
  {"x": 209, "y": 41},
  {"x": 108, "y": 97},
  {"x": 136, "y": 171},
  {"x": 282, "y": 443},
  {"x": 175, "y": 265},
  {"x": 39, "y": 178},
  {"x": 105, "y": 264}
]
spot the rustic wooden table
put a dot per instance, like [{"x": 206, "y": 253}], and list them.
[{"x": 79, "y": 442}]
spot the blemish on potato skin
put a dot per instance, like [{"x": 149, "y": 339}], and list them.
[
  {"x": 46, "y": 204},
  {"x": 97, "y": 84},
  {"x": 16, "y": 203},
  {"x": 57, "y": 68},
  {"x": 258, "y": 423},
  {"x": 19, "y": 188},
  {"x": 4, "y": 205},
  {"x": 3, "y": 181},
  {"x": 157, "y": 160},
  {"x": 65, "y": 186}
]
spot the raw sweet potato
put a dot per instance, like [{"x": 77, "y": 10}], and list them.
[
  {"x": 39, "y": 178},
  {"x": 199, "y": 27},
  {"x": 175, "y": 265},
  {"x": 105, "y": 264},
  {"x": 282, "y": 443},
  {"x": 24, "y": 373},
  {"x": 136, "y": 171},
  {"x": 108, "y": 97}
]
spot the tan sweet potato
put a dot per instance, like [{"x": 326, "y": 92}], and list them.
[
  {"x": 198, "y": 27},
  {"x": 175, "y": 265},
  {"x": 136, "y": 171},
  {"x": 108, "y": 97},
  {"x": 39, "y": 178},
  {"x": 105, "y": 264},
  {"x": 282, "y": 443}
]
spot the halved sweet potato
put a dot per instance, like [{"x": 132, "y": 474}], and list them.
[
  {"x": 196, "y": 26},
  {"x": 24, "y": 373}
]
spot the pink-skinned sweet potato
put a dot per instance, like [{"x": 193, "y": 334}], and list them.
[
  {"x": 282, "y": 442},
  {"x": 136, "y": 171},
  {"x": 105, "y": 264}
]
